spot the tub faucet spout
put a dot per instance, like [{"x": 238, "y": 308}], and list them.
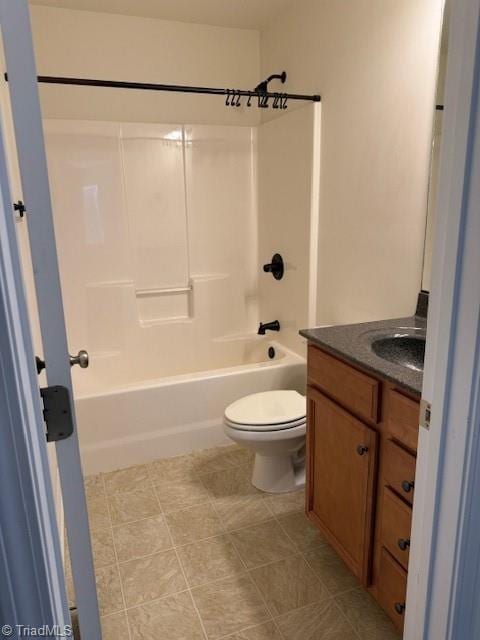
[{"x": 268, "y": 326}]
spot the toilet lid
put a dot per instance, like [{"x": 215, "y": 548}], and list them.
[{"x": 268, "y": 408}]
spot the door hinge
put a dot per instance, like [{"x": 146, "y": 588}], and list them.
[
  {"x": 425, "y": 414},
  {"x": 57, "y": 412},
  {"x": 20, "y": 207}
]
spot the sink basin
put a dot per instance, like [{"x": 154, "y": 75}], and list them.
[{"x": 405, "y": 350}]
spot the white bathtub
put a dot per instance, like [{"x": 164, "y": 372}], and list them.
[{"x": 138, "y": 422}]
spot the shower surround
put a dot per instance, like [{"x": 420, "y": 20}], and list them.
[{"x": 157, "y": 243}]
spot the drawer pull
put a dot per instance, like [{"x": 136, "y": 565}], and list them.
[
  {"x": 362, "y": 449},
  {"x": 399, "y": 607},
  {"x": 407, "y": 486},
  {"x": 404, "y": 543}
]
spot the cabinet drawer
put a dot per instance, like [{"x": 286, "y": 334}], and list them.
[
  {"x": 351, "y": 388},
  {"x": 403, "y": 419},
  {"x": 399, "y": 470},
  {"x": 392, "y": 588},
  {"x": 396, "y": 526}
]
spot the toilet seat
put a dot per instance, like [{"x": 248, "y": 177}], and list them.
[
  {"x": 267, "y": 411},
  {"x": 265, "y": 427}
]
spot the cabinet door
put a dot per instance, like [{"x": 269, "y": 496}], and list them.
[{"x": 340, "y": 485}]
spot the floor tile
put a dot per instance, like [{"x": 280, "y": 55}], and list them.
[
  {"x": 221, "y": 458},
  {"x": 301, "y": 531},
  {"x": 243, "y": 511},
  {"x": 171, "y": 618},
  {"x": 94, "y": 486},
  {"x": 151, "y": 578},
  {"x": 229, "y": 605},
  {"x": 210, "y": 560},
  {"x": 72, "y": 601},
  {"x": 331, "y": 570},
  {"x": 230, "y": 483},
  {"x": 109, "y": 590},
  {"x": 170, "y": 469},
  {"x": 318, "y": 621},
  {"x": 67, "y": 567},
  {"x": 141, "y": 538},
  {"x": 288, "y": 584},
  {"x": 363, "y": 613},
  {"x": 102, "y": 548},
  {"x": 265, "y": 631},
  {"x": 133, "y": 505},
  {"x": 285, "y": 503},
  {"x": 237, "y": 548},
  {"x": 181, "y": 494},
  {"x": 98, "y": 516},
  {"x": 115, "y": 626},
  {"x": 128, "y": 479},
  {"x": 262, "y": 544},
  {"x": 195, "y": 523}
]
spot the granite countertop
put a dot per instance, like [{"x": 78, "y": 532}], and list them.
[{"x": 352, "y": 343}]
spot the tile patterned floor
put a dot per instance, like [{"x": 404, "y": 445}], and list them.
[{"x": 187, "y": 549}]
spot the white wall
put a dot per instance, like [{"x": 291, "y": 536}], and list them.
[
  {"x": 374, "y": 63},
  {"x": 286, "y": 220},
  {"x": 115, "y": 47}
]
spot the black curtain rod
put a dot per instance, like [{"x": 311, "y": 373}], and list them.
[{"x": 147, "y": 86}]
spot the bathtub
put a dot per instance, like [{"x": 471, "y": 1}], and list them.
[{"x": 138, "y": 422}]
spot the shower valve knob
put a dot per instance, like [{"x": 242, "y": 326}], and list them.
[
  {"x": 276, "y": 267},
  {"x": 81, "y": 359}
]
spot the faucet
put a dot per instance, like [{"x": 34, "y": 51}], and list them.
[{"x": 268, "y": 326}]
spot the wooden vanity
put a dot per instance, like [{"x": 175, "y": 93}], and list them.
[{"x": 362, "y": 435}]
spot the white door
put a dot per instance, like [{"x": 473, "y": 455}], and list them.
[{"x": 22, "y": 79}]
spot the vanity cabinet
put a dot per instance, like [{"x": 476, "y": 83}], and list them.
[
  {"x": 361, "y": 443},
  {"x": 341, "y": 479}
]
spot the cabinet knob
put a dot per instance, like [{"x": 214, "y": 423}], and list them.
[
  {"x": 399, "y": 607},
  {"x": 407, "y": 485},
  {"x": 362, "y": 449},
  {"x": 404, "y": 543}
]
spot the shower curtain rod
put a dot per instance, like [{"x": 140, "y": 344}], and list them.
[{"x": 147, "y": 86}]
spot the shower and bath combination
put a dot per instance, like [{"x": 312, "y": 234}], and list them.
[{"x": 111, "y": 393}]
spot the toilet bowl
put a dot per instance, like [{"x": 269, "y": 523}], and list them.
[{"x": 273, "y": 425}]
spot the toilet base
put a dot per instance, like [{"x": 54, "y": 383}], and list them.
[
  {"x": 279, "y": 465},
  {"x": 278, "y": 474}
]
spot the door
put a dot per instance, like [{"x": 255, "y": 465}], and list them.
[
  {"x": 20, "y": 67},
  {"x": 341, "y": 470},
  {"x": 30, "y": 544}
]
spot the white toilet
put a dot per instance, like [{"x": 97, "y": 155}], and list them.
[{"x": 273, "y": 425}]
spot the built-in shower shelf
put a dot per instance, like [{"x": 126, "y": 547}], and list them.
[
  {"x": 146, "y": 293},
  {"x": 163, "y": 305}
]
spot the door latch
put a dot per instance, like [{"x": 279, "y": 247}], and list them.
[
  {"x": 57, "y": 412},
  {"x": 425, "y": 414}
]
